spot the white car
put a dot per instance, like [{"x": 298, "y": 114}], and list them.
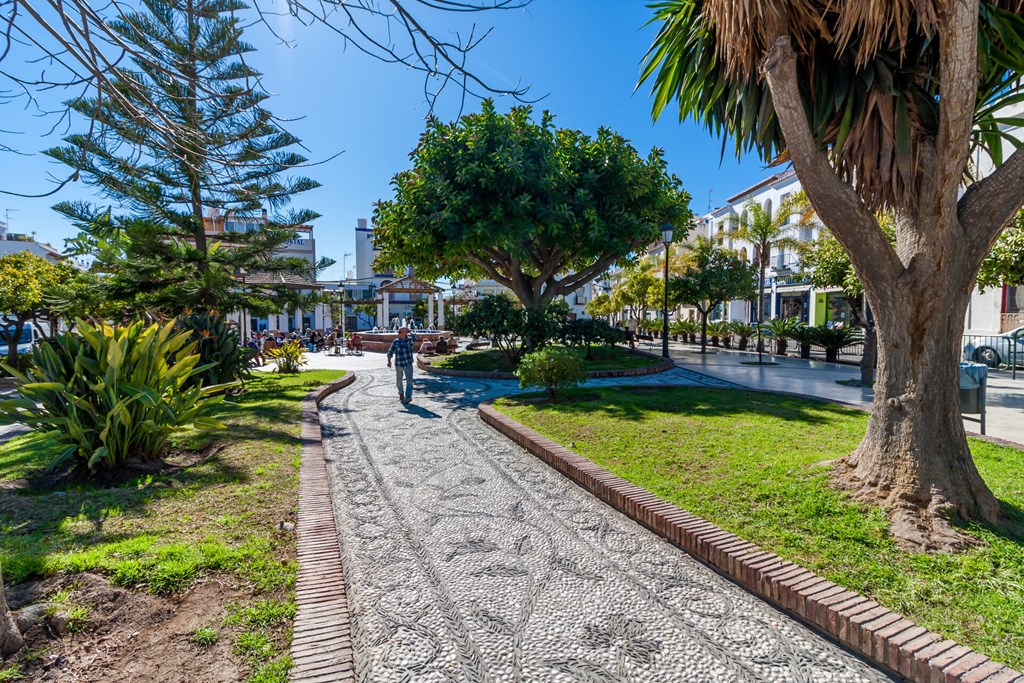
[
  {"x": 24, "y": 342},
  {"x": 997, "y": 349}
]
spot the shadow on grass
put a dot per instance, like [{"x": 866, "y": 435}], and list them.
[{"x": 635, "y": 403}]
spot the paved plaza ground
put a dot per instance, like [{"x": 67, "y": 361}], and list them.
[{"x": 468, "y": 559}]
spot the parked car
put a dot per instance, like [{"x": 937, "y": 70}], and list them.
[
  {"x": 24, "y": 342},
  {"x": 997, "y": 349}
]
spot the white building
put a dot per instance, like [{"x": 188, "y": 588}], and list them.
[{"x": 12, "y": 242}]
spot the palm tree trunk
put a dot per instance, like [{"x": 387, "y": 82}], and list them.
[
  {"x": 760, "y": 311},
  {"x": 10, "y": 636}
]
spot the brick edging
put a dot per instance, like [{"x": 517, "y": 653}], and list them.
[
  {"x": 665, "y": 365},
  {"x": 321, "y": 647},
  {"x": 881, "y": 636}
]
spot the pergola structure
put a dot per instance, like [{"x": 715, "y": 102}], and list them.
[{"x": 411, "y": 285}]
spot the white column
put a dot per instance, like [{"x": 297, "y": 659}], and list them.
[
  {"x": 380, "y": 314},
  {"x": 318, "y": 317},
  {"x": 387, "y": 310},
  {"x": 440, "y": 310},
  {"x": 298, "y": 320},
  {"x": 430, "y": 311}
]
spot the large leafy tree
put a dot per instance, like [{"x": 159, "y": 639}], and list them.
[
  {"x": 715, "y": 275},
  {"x": 766, "y": 232},
  {"x": 209, "y": 143},
  {"x": 540, "y": 210},
  {"x": 639, "y": 290},
  {"x": 878, "y": 106}
]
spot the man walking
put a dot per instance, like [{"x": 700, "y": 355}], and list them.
[{"x": 402, "y": 350}]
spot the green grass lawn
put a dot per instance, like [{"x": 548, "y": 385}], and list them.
[
  {"x": 754, "y": 464},
  {"x": 162, "y": 532},
  {"x": 602, "y": 358}
]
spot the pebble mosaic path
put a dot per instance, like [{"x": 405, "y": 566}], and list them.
[{"x": 467, "y": 559}]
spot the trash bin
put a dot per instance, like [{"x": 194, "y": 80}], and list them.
[{"x": 973, "y": 378}]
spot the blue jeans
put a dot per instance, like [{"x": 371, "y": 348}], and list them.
[{"x": 404, "y": 372}]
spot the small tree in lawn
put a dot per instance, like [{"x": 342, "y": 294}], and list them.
[
  {"x": 602, "y": 306},
  {"x": 497, "y": 317},
  {"x": 553, "y": 369},
  {"x": 879, "y": 106},
  {"x": 540, "y": 210},
  {"x": 640, "y": 290},
  {"x": 716, "y": 275}
]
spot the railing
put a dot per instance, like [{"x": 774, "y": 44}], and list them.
[{"x": 994, "y": 350}]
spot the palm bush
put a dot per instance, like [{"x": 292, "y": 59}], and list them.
[
  {"x": 720, "y": 331},
  {"x": 107, "y": 394},
  {"x": 290, "y": 357},
  {"x": 551, "y": 368},
  {"x": 743, "y": 332},
  {"x": 219, "y": 347},
  {"x": 687, "y": 329},
  {"x": 804, "y": 336},
  {"x": 780, "y": 329},
  {"x": 833, "y": 339}
]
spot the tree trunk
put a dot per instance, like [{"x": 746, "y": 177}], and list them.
[
  {"x": 914, "y": 458},
  {"x": 12, "y": 343},
  {"x": 760, "y": 310},
  {"x": 703, "y": 332},
  {"x": 10, "y": 636}
]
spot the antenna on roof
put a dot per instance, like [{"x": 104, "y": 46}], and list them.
[{"x": 710, "y": 190}]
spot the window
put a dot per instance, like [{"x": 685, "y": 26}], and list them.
[{"x": 1014, "y": 299}]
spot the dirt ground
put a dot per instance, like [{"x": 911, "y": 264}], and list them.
[{"x": 131, "y": 636}]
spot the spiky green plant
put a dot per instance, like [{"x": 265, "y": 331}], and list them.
[
  {"x": 290, "y": 357},
  {"x": 743, "y": 331},
  {"x": 720, "y": 331},
  {"x": 804, "y": 336},
  {"x": 107, "y": 394}
]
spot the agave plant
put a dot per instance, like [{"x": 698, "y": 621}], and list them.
[
  {"x": 721, "y": 331},
  {"x": 804, "y": 336},
  {"x": 833, "y": 339},
  {"x": 781, "y": 329},
  {"x": 743, "y": 332},
  {"x": 106, "y": 394}
]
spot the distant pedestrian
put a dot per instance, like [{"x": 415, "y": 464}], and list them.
[{"x": 402, "y": 350}]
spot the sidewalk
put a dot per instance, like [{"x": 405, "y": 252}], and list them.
[{"x": 816, "y": 378}]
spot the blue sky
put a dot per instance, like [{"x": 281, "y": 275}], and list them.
[{"x": 583, "y": 56}]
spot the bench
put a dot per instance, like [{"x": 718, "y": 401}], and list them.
[{"x": 648, "y": 338}]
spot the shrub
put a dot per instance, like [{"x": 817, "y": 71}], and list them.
[
  {"x": 24, "y": 363},
  {"x": 833, "y": 339},
  {"x": 588, "y": 331},
  {"x": 496, "y": 317},
  {"x": 290, "y": 356},
  {"x": 106, "y": 394},
  {"x": 219, "y": 348},
  {"x": 551, "y": 368}
]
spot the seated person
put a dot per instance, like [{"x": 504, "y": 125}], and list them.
[
  {"x": 441, "y": 348},
  {"x": 427, "y": 348},
  {"x": 355, "y": 342}
]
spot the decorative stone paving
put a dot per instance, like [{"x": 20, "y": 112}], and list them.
[{"x": 467, "y": 559}]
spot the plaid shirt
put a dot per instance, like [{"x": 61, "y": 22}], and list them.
[{"x": 402, "y": 350}]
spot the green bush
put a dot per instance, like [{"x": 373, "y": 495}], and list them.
[
  {"x": 804, "y": 336},
  {"x": 219, "y": 347},
  {"x": 551, "y": 368},
  {"x": 106, "y": 394},
  {"x": 586, "y": 332},
  {"x": 512, "y": 329},
  {"x": 720, "y": 330},
  {"x": 687, "y": 329},
  {"x": 290, "y": 356},
  {"x": 24, "y": 363}
]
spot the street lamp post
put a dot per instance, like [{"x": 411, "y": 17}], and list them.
[{"x": 666, "y": 237}]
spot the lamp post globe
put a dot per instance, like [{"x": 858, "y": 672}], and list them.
[{"x": 666, "y": 238}]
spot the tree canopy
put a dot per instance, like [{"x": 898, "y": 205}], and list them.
[
  {"x": 210, "y": 144},
  {"x": 540, "y": 210},
  {"x": 27, "y": 281},
  {"x": 1005, "y": 264}
]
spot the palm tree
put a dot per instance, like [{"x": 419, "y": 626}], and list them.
[
  {"x": 766, "y": 232},
  {"x": 878, "y": 107}
]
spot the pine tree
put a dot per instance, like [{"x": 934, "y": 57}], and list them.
[{"x": 211, "y": 145}]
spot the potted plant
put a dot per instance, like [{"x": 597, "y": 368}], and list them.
[
  {"x": 743, "y": 332},
  {"x": 833, "y": 339},
  {"x": 715, "y": 332},
  {"x": 804, "y": 336},
  {"x": 780, "y": 330}
]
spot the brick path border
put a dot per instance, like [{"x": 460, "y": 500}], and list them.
[
  {"x": 664, "y": 365},
  {"x": 883, "y": 637},
  {"x": 321, "y": 638}
]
